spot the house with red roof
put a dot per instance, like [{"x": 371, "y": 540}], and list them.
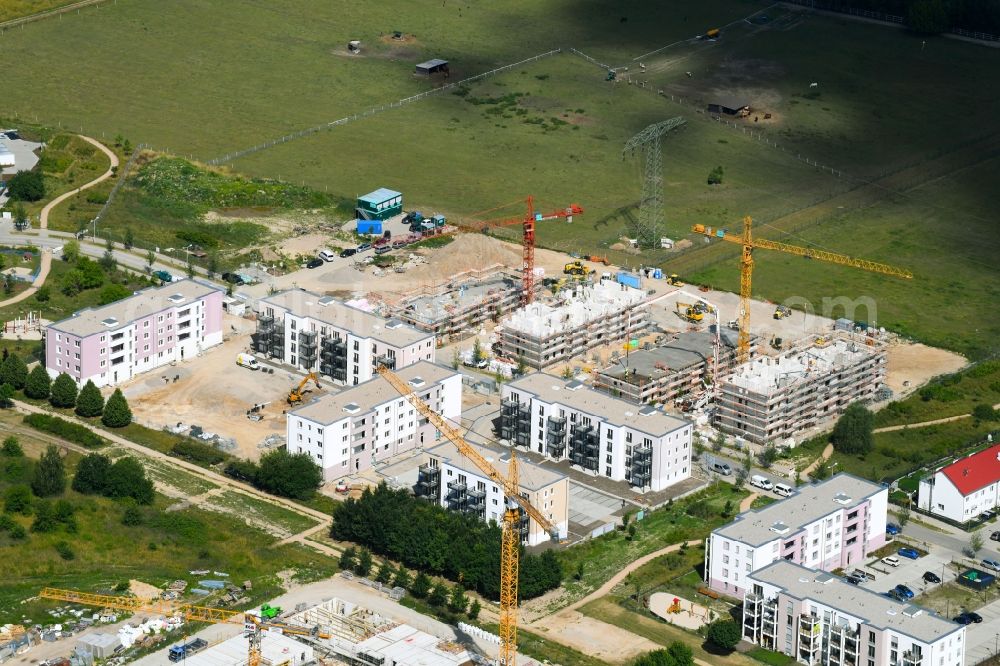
[{"x": 964, "y": 489}]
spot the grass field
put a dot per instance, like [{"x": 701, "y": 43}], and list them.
[
  {"x": 946, "y": 396},
  {"x": 12, "y": 9}
]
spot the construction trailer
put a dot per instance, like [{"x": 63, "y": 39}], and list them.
[
  {"x": 589, "y": 316},
  {"x": 770, "y": 399},
  {"x": 379, "y": 205},
  {"x": 679, "y": 367}
]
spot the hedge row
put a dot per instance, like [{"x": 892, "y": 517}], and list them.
[{"x": 65, "y": 429}]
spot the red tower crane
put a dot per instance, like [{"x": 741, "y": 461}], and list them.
[{"x": 528, "y": 221}]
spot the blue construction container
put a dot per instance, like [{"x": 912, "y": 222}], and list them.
[
  {"x": 370, "y": 227},
  {"x": 658, "y": 274},
  {"x": 628, "y": 279}
]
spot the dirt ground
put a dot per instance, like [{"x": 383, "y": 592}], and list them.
[
  {"x": 595, "y": 638},
  {"x": 214, "y": 393},
  {"x": 143, "y": 590},
  {"x": 911, "y": 365}
]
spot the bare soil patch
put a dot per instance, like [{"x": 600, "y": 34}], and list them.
[{"x": 911, "y": 365}]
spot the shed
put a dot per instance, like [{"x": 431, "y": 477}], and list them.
[
  {"x": 432, "y": 66},
  {"x": 6, "y": 157},
  {"x": 731, "y": 106},
  {"x": 234, "y": 306},
  {"x": 370, "y": 227},
  {"x": 379, "y": 205},
  {"x": 977, "y": 580},
  {"x": 100, "y": 645}
]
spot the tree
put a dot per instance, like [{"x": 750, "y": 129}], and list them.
[
  {"x": 26, "y": 186},
  {"x": 348, "y": 559},
  {"x": 289, "y": 475},
  {"x": 213, "y": 264},
  {"x": 108, "y": 261},
  {"x": 20, "y": 216},
  {"x": 132, "y": 516},
  {"x": 71, "y": 251},
  {"x": 723, "y": 634},
  {"x": 699, "y": 446},
  {"x": 715, "y": 176},
  {"x": 438, "y": 596},
  {"x": 116, "y": 413},
  {"x": 904, "y": 515},
  {"x": 190, "y": 267},
  {"x": 12, "y": 448},
  {"x": 150, "y": 258},
  {"x": 455, "y": 359},
  {"x": 853, "y": 433},
  {"x": 975, "y": 543},
  {"x": 127, "y": 478},
  {"x": 6, "y": 395},
  {"x": 477, "y": 351},
  {"x": 90, "y": 402},
  {"x": 718, "y": 441},
  {"x": 63, "y": 391},
  {"x": 92, "y": 474},
  {"x": 675, "y": 654},
  {"x": 929, "y": 17},
  {"x": 43, "y": 294},
  {"x": 522, "y": 367},
  {"x": 402, "y": 578},
  {"x": 13, "y": 371},
  {"x": 364, "y": 564},
  {"x": 821, "y": 471},
  {"x": 49, "y": 478},
  {"x": 768, "y": 456},
  {"x": 984, "y": 413},
  {"x": 113, "y": 292},
  {"x": 17, "y": 499},
  {"x": 38, "y": 384},
  {"x": 45, "y": 517},
  {"x": 384, "y": 574},
  {"x": 421, "y": 585},
  {"x": 8, "y": 284},
  {"x": 474, "y": 609},
  {"x": 457, "y": 601},
  {"x": 129, "y": 241}
]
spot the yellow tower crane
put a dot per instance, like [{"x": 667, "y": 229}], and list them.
[
  {"x": 750, "y": 243},
  {"x": 253, "y": 624},
  {"x": 510, "y": 540}
]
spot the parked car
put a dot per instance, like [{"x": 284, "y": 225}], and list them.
[
  {"x": 761, "y": 481},
  {"x": 989, "y": 514},
  {"x": 931, "y": 577},
  {"x": 969, "y": 617},
  {"x": 904, "y": 591},
  {"x": 854, "y": 580},
  {"x": 910, "y": 553},
  {"x": 364, "y": 246},
  {"x": 722, "y": 468},
  {"x": 315, "y": 263},
  {"x": 995, "y": 536},
  {"x": 232, "y": 278},
  {"x": 892, "y": 529},
  {"x": 963, "y": 619},
  {"x": 991, "y": 564},
  {"x": 891, "y": 560},
  {"x": 895, "y": 594},
  {"x": 863, "y": 575},
  {"x": 348, "y": 252}
]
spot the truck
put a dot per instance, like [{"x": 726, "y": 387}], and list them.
[
  {"x": 247, "y": 361},
  {"x": 164, "y": 276},
  {"x": 179, "y": 652}
]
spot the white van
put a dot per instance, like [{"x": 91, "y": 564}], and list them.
[
  {"x": 327, "y": 255},
  {"x": 783, "y": 490},
  {"x": 761, "y": 482},
  {"x": 247, "y": 361}
]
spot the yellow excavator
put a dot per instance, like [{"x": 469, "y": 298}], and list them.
[
  {"x": 674, "y": 280},
  {"x": 689, "y": 312},
  {"x": 577, "y": 268},
  {"x": 295, "y": 395}
]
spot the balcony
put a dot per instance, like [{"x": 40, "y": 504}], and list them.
[
  {"x": 428, "y": 481},
  {"x": 556, "y": 425},
  {"x": 387, "y": 361}
]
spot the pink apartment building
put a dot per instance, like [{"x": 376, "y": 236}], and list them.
[
  {"x": 157, "y": 326},
  {"x": 825, "y": 526}
]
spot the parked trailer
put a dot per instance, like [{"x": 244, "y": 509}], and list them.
[{"x": 179, "y": 652}]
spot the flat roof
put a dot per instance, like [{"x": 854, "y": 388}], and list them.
[
  {"x": 615, "y": 411},
  {"x": 686, "y": 350},
  {"x": 464, "y": 295},
  {"x": 541, "y": 320},
  {"x": 380, "y": 195},
  {"x": 367, "y": 395},
  {"x": 784, "y": 518},
  {"x": 433, "y": 62},
  {"x": 404, "y": 644},
  {"x": 329, "y": 310},
  {"x": 146, "y": 302},
  {"x": 276, "y": 648},
  {"x": 873, "y": 608},
  {"x": 529, "y": 475}
]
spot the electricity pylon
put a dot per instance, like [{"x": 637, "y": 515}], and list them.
[{"x": 651, "y": 216}]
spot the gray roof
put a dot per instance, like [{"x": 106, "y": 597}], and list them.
[
  {"x": 730, "y": 102},
  {"x": 688, "y": 349},
  {"x": 615, "y": 411},
  {"x": 367, "y": 395},
  {"x": 529, "y": 476},
  {"x": 876, "y": 610},
  {"x": 114, "y": 316},
  {"x": 331, "y": 311},
  {"x": 380, "y": 195},
  {"x": 433, "y": 62},
  {"x": 784, "y": 518}
]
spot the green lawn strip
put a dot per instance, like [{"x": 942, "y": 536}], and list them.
[
  {"x": 12, "y": 9},
  {"x": 545, "y": 650},
  {"x": 173, "y": 476},
  {"x": 951, "y": 395},
  {"x": 260, "y": 510},
  {"x": 949, "y": 599},
  {"x": 770, "y": 658}
]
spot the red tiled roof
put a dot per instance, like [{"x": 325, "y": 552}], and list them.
[{"x": 977, "y": 471}]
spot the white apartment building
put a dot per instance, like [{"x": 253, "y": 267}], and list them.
[
  {"x": 605, "y": 436},
  {"x": 157, "y": 326},
  {"x": 825, "y": 526},
  {"x": 452, "y": 480},
  {"x": 964, "y": 489},
  {"x": 349, "y": 431},
  {"x": 818, "y": 618},
  {"x": 322, "y": 334}
]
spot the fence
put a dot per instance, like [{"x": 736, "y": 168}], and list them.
[
  {"x": 376, "y": 109},
  {"x": 58, "y": 11},
  {"x": 885, "y": 18},
  {"x": 122, "y": 175},
  {"x": 478, "y": 633}
]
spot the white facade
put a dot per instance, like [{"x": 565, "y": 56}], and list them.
[
  {"x": 826, "y": 526},
  {"x": 965, "y": 489},
  {"x": 818, "y": 618},
  {"x": 600, "y": 434},
  {"x": 347, "y": 432}
]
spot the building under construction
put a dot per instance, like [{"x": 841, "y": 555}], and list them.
[
  {"x": 771, "y": 399},
  {"x": 670, "y": 371},
  {"x": 362, "y": 637},
  {"x": 462, "y": 306},
  {"x": 587, "y": 316}
]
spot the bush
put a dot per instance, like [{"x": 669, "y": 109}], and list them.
[
  {"x": 6, "y": 396},
  {"x": 90, "y": 402},
  {"x": 116, "y": 413},
  {"x": 715, "y": 176},
  {"x": 64, "y": 550},
  {"x": 38, "y": 384},
  {"x": 127, "y": 478},
  {"x": 288, "y": 475},
  {"x": 853, "y": 433},
  {"x": 63, "y": 392},
  {"x": 12, "y": 448},
  {"x": 984, "y": 413},
  {"x": 113, "y": 292},
  {"x": 50, "y": 475},
  {"x": 132, "y": 516},
  {"x": 17, "y": 499},
  {"x": 26, "y": 186},
  {"x": 724, "y": 634},
  {"x": 203, "y": 454},
  {"x": 73, "y": 432},
  {"x": 92, "y": 474},
  {"x": 242, "y": 470}
]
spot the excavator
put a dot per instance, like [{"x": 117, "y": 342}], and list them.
[
  {"x": 782, "y": 311},
  {"x": 577, "y": 268},
  {"x": 674, "y": 280},
  {"x": 295, "y": 395},
  {"x": 689, "y": 312}
]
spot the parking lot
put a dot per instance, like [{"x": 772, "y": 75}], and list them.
[{"x": 909, "y": 573}]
